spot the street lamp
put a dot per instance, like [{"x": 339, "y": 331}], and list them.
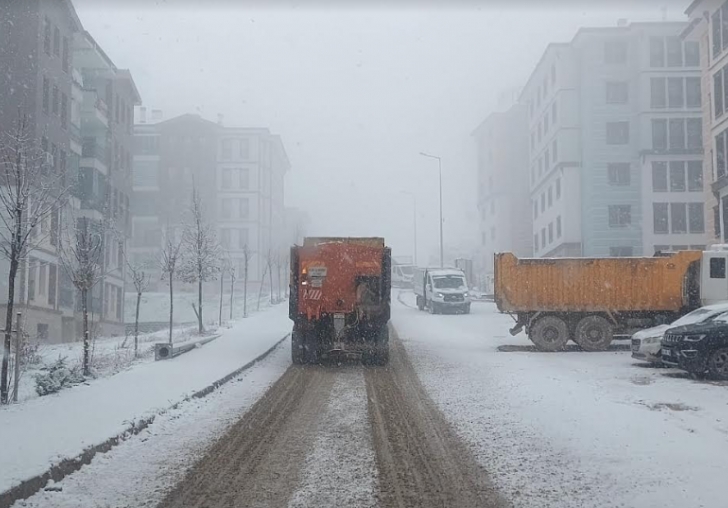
[
  {"x": 414, "y": 221},
  {"x": 439, "y": 167}
]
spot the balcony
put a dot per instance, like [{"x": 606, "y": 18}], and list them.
[
  {"x": 94, "y": 111},
  {"x": 95, "y": 154}
]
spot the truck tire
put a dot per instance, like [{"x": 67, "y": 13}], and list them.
[
  {"x": 432, "y": 307},
  {"x": 718, "y": 364},
  {"x": 594, "y": 333},
  {"x": 298, "y": 348},
  {"x": 549, "y": 333},
  {"x": 466, "y": 309}
]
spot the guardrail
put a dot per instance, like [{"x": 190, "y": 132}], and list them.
[{"x": 167, "y": 351}]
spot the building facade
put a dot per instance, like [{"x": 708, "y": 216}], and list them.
[
  {"x": 615, "y": 143},
  {"x": 239, "y": 173},
  {"x": 504, "y": 211}
]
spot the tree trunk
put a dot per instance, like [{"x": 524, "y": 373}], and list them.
[
  {"x": 245, "y": 290},
  {"x": 222, "y": 281},
  {"x": 84, "y": 309},
  {"x": 232, "y": 288},
  {"x": 8, "y": 329},
  {"x": 18, "y": 344},
  {"x": 199, "y": 305},
  {"x": 270, "y": 279},
  {"x": 171, "y": 306},
  {"x": 136, "y": 325}
]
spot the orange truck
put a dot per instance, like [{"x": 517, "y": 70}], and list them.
[
  {"x": 589, "y": 300},
  {"x": 340, "y": 299}
]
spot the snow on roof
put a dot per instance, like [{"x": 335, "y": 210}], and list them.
[{"x": 443, "y": 272}]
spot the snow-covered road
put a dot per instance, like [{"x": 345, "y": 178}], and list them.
[{"x": 574, "y": 428}]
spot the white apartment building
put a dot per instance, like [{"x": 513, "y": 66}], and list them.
[
  {"x": 615, "y": 149},
  {"x": 503, "y": 205}
]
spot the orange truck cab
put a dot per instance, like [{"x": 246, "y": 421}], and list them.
[{"x": 340, "y": 299}]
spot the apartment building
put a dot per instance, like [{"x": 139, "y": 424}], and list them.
[
  {"x": 615, "y": 143},
  {"x": 708, "y": 27},
  {"x": 239, "y": 173},
  {"x": 504, "y": 209}
]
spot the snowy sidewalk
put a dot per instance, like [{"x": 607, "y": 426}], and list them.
[{"x": 44, "y": 431}]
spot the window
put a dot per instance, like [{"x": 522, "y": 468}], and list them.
[
  {"x": 558, "y": 226},
  {"x": 694, "y": 133},
  {"x": 674, "y": 51},
  {"x": 551, "y": 232},
  {"x": 695, "y": 176},
  {"x": 546, "y": 159},
  {"x": 41, "y": 331},
  {"x": 718, "y": 94},
  {"x": 675, "y": 93},
  {"x": 64, "y": 110},
  {"x": 620, "y": 216},
  {"x": 147, "y": 145},
  {"x": 47, "y": 36},
  {"x": 543, "y": 202},
  {"x": 553, "y": 73},
  {"x": 543, "y": 238},
  {"x": 720, "y": 154},
  {"x": 620, "y": 252},
  {"x": 692, "y": 92},
  {"x": 554, "y": 151},
  {"x": 535, "y": 243},
  {"x": 119, "y": 301},
  {"x": 558, "y": 188},
  {"x": 678, "y": 218},
  {"x": 617, "y": 133},
  {"x": 55, "y": 100},
  {"x": 657, "y": 52},
  {"x": 243, "y": 238},
  {"x": 244, "y": 148},
  {"x": 550, "y": 196},
  {"x": 54, "y": 227},
  {"x": 658, "y": 96},
  {"x": 617, "y": 92},
  {"x": 677, "y": 133},
  {"x": 56, "y": 41},
  {"x": 225, "y": 238},
  {"x": 52, "y": 282},
  {"x": 227, "y": 148},
  {"x": 618, "y": 173},
  {"x": 46, "y": 95},
  {"x": 31, "y": 278},
  {"x": 696, "y": 217},
  {"x": 692, "y": 54},
  {"x": 65, "y": 62},
  {"x": 660, "y": 218},
  {"x": 717, "y": 268},
  {"x": 227, "y": 179},
  {"x": 615, "y": 52},
  {"x": 42, "y": 269},
  {"x": 535, "y": 209},
  {"x": 677, "y": 176},
  {"x": 554, "y": 115},
  {"x": 715, "y": 25}
]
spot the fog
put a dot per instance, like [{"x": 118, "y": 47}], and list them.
[{"x": 356, "y": 93}]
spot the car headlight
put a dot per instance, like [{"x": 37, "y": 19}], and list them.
[
  {"x": 694, "y": 338},
  {"x": 465, "y": 294},
  {"x": 440, "y": 295},
  {"x": 651, "y": 340}
]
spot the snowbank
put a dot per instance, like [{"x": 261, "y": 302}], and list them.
[
  {"x": 43, "y": 431},
  {"x": 570, "y": 429}
]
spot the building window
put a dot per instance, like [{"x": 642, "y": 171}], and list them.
[
  {"x": 535, "y": 209},
  {"x": 658, "y": 95},
  {"x": 678, "y": 218},
  {"x": 694, "y": 127},
  {"x": 718, "y": 94},
  {"x": 558, "y": 188},
  {"x": 692, "y": 54},
  {"x": 620, "y": 252},
  {"x": 47, "y": 36},
  {"x": 618, "y": 173},
  {"x": 55, "y": 100},
  {"x": 543, "y": 202},
  {"x": 695, "y": 176},
  {"x": 558, "y": 226},
  {"x": 676, "y": 133},
  {"x": 615, "y": 52},
  {"x": 620, "y": 216},
  {"x": 66, "y": 61},
  {"x": 657, "y": 52},
  {"x": 675, "y": 93},
  {"x": 692, "y": 92},
  {"x": 674, "y": 51},
  {"x": 720, "y": 154},
  {"x": 554, "y": 112},
  {"x": 46, "y": 95},
  {"x": 617, "y": 92},
  {"x": 659, "y": 135},
  {"x": 31, "y": 278},
  {"x": 145, "y": 174},
  {"x": 696, "y": 217},
  {"x": 660, "y": 218},
  {"x": 677, "y": 176},
  {"x": 225, "y": 238},
  {"x": 617, "y": 133},
  {"x": 52, "y": 283},
  {"x": 42, "y": 269},
  {"x": 56, "y": 41},
  {"x": 543, "y": 238},
  {"x": 227, "y": 149},
  {"x": 554, "y": 151},
  {"x": 551, "y": 233},
  {"x": 719, "y": 21},
  {"x": 550, "y": 197}
]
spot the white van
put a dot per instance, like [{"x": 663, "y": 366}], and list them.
[{"x": 441, "y": 290}]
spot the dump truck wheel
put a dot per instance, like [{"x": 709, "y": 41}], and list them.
[
  {"x": 298, "y": 350},
  {"x": 594, "y": 333},
  {"x": 549, "y": 333},
  {"x": 718, "y": 364}
]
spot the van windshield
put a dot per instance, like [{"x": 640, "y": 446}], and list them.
[
  {"x": 407, "y": 270},
  {"x": 448, "y": 282}
]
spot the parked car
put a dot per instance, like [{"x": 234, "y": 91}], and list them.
[
  {"x": 699, "y": 348},
  {"x": 646, "y": 343}
]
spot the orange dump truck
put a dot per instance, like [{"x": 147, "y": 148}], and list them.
[
  {"x": 589, "y": 300},
  {"x": 340, "y": 299}
]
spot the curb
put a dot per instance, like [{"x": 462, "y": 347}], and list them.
[{"x": 58, "y": 472}]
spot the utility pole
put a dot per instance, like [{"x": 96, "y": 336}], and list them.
[{"x": 439, "y": 167}]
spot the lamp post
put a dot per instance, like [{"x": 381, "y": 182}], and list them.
[
  {"x": 439, "y": 167},
  {"x": 414, "y": 221}
]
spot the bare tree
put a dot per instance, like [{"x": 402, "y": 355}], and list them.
[
  {"x": 262, "y": 281},
  {"x": 233, "y": 278},
  {"x": 82, "y": 257},
  {"x": 201, "y": 252},
  {"x": 246, "y": 265},
  {"x": 225, "y": 266},
  {"x": 141, "y": 280},
  {"x": 269, "y": 263},
  {"x": 170, "y": 261},
  {"x": 31, "y": 190}
]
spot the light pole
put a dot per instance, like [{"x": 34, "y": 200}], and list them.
[
  {"x": 439, "y": 167},
  {"x": 414, "y": 221}
]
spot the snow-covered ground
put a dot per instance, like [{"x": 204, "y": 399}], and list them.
[
  {"x": 570, "y": 429},
  {"x": 142, "y": 469},
  {"x": 45, "y": 430}
]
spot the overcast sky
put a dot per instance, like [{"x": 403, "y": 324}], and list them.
[{"x": 355, "y": 93}]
